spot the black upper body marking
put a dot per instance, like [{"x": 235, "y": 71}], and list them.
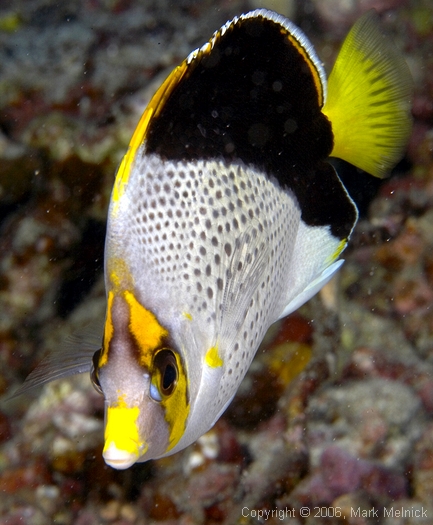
[{"x": 253, "y": 98}]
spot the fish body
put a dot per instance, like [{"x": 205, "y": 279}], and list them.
[
  {"x": 202, "y": 272},
  {"x": 225, "y": 216}
]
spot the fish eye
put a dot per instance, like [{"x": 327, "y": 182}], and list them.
[
  {"x": 166, "y": 373},
  {"x": 94, "y": 375}
]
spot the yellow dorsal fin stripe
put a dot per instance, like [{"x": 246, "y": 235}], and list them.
[
  {"x": 368, "y": 103},
  {"x": 154, "y": 107},
  {"x": 311, "y": 65},
  {"x": 145, "y": 328}
]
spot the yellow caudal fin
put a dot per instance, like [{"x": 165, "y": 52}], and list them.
[{"x": 369, "y": 99}]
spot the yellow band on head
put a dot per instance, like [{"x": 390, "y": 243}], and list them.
[
  {"x": 108, "y": 331},
  {"x": 145, "y": 328}
]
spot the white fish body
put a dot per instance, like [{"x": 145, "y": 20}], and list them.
[{"x": 216, "y": 241}]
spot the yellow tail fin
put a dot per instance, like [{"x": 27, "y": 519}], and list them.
[{"x": 369, "y": 99}]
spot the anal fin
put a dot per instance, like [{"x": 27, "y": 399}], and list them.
[{"x": 312, "y": 288}]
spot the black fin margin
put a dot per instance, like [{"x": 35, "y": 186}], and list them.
[{"x": 323, "y": 199}]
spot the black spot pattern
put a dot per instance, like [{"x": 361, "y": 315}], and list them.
[{"x": 233, "y": 282}]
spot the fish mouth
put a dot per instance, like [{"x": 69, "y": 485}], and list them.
[{"x": 121, "y": 459}]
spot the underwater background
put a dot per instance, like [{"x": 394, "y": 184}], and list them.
[{"x": 334, "y": 421}]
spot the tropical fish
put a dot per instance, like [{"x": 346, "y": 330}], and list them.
[{"x": 225, "y": 216}]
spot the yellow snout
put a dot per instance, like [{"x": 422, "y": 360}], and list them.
[{"x": 123, "y": 446}]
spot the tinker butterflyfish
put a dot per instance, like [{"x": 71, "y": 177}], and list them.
[{"x": 226, "y": 216}]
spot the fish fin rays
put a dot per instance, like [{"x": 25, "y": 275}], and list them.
[
  {"x": 369, "y": 99},
  {"x": 73, "y": 357},
  {"x": 245, "y": 272},
  {"x": 317, "y": 284}
]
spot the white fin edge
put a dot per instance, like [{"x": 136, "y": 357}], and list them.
[
  {"x": 281, "y": 20},
  {"x": 311, "y": 290}
]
